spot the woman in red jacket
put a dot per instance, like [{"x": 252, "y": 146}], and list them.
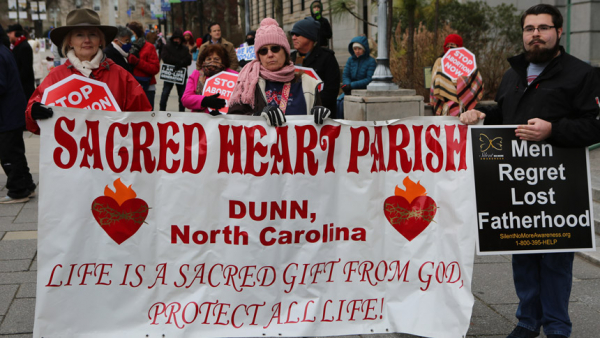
[
  {"x": 144, "y": 60},
  {"x": 82, "y": 40}
]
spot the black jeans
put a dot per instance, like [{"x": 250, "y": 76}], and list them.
[
  {"x": 19, "y": 182},
  {"x": 145, "y": 83},
  {"x": 164, "y": 97}
]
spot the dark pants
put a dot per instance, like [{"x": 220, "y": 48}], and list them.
[
  {"x": 145, "y": 83},
  {"x": 150, "y": 94},
  {"x": 543, "y": 284},
  {"x": 19, "y": 182},
  {"x": 167, "y": 86}
]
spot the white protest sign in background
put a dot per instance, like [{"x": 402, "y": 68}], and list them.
[
  {"x": 245, "y": 53},
  {"x": 222, "y": 83},
  {"x": 169, "y": 74},
  {"x": 192, "y": 225}
]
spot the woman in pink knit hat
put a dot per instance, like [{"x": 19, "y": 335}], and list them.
[
  {"x": 268, "y": 86},
  {"x": 188, "y": 40}
]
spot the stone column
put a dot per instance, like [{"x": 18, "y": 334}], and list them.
[
  {"x": 382, "y": 100},
  {"x": 382, "y": 79}
]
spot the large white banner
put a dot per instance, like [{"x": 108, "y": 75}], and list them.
[{"x": 184, "y": 225}]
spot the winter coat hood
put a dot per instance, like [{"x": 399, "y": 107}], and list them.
[
  {"x": 177, "y": 34},
  {"x": 364, "y": 42},
  {"x": 311, "y": 8}
]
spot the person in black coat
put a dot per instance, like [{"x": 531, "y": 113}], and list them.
[
  {"x": 23, "y": 56},
  {"x": 4, "y": 38},
  {"x": 178, "y": 55},
  {"x": 19, "y": 182},
  {"x": 325, "y": 33},
  {"x": 305, "y": 34},
  {"x": 118, "y": 49}
]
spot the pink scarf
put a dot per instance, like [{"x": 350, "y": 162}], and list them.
[{"x": 246, "y": 85}]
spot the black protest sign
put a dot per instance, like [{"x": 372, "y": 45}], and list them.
[
  {"x": 531, "y": 196},
  {"x": 169, "y": 74}
]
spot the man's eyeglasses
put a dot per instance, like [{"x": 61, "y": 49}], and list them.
[
  {"x": 265, "y": 50},
  {"x": 540, "y": 28}
]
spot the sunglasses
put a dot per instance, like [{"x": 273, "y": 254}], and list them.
[{"x": 265, "y": 50}]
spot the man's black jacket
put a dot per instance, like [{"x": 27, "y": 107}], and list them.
[
  {"x": 564, "y": 94},
  {"x": 323, "y": 61},
  {"x": 177, "y": 55},
  {"x": 24, "y": 58},
  {"x": 112, "y": 53}
]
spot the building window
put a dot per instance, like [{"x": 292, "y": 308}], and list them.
[
  {"x": 291, "y": 6},
  {"x": 302, "y": 5},
  {"x": 265, "y": 8},
  {"x": 252, "y": 13}
]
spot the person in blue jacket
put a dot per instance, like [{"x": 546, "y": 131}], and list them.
[{"x": 358, "y": 71}]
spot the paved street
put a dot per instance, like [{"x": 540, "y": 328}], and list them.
[{"x": 493, "y": 313}]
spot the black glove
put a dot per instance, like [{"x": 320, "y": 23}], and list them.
[
  {"x": 347, "y": 89},
  {"x": 213, "y": 101},
  {"x": 274, "y": 116},
  {"x": 39, "y": 112},
  {"x": 214, "y": 113},
  {"x": 320, "y": 113},
  {"x": 135, "y": 50}
]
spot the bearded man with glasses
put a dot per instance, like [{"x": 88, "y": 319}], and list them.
[{"x": 552, "y": 96}]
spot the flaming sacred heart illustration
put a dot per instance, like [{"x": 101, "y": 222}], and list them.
[
  {"x": 119, "y": 213},
  {"x": 410, "y": 211}
]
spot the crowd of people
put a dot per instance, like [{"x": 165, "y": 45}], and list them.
[
  {"x": 141, "y": 52},
  {"x": 128, "y": 59}
]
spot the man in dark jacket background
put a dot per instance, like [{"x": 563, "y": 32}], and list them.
[
  {"x": 19, "y": 182},
  {"x": 118, "y": 49},
  {"x": 308, "y": 53},
  {"x": 23, "y": 56},
  {"x": 178, "y": 55},
  {"x": 325, "y": 33},
  {"x": 552, "y": 96}
]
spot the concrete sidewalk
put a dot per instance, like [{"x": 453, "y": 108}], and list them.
[{"x": 495, "y": 299}]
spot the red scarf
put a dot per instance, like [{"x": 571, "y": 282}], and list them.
[{"x": 19, "y": 40}]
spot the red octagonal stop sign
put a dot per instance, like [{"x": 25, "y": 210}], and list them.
[
  {"x": 77, "y": 91},
  {"x": 458, "y": 62},
  {"x": 222, "y": 83}
]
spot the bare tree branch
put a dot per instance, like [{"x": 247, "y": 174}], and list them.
[{"x": 339, "y": 7}]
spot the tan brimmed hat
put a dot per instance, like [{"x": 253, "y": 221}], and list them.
[{"x": 80, "y": 18}]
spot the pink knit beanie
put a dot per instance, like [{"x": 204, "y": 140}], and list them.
[{"x": 269, "y": 33}]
